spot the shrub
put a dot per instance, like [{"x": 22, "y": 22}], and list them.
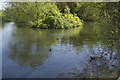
[{"x": 57, "y": 20}]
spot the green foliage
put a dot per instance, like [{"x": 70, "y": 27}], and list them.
[
  {"x": 60, "y": 15},
  {"x": 42, "y": 15},
  {"x": 67, "y": 10},
  {"x": 93, "y": 11},
  {"x": 27, "y": 12},
  {"x": 5, "y": 16},
  {"x": 57, "y": 20}
]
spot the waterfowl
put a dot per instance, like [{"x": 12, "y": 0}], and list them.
[
  {"x": 57, "y": 39},
  {"x": 50, "y": 49},
  {"x": 115, "y": 58},
  {"x": 94, "y": 57}
]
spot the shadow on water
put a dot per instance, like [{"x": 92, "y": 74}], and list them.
[
  {"x": 103, "y": 46},
  {"x": 91, "y": 51}
]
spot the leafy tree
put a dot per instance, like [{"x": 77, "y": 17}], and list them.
[{"x": 43, "y": 15}]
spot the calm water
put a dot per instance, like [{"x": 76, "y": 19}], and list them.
[{"x": 35, "y": 53}]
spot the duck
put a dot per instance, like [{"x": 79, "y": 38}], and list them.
[
  {"x": 115, "y": 58},
  {"x": 94, "y": 57},
  {"x": 57, "y": 39},
  {"x": 50, "y": 49}
]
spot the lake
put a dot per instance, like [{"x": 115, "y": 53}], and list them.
[{"x": 91, "y": 51}]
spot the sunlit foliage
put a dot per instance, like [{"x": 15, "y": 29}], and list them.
[{"x": 42, "y": 15}]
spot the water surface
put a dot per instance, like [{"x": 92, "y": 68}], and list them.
[{"x": 55, "y": 53}]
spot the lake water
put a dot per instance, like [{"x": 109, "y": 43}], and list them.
[{"x": 55, "y": 53}]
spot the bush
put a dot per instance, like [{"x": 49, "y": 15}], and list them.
[{"x": 57, "y": 20}]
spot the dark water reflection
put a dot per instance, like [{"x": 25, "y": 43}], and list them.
[{"x": 34, "y": 53}]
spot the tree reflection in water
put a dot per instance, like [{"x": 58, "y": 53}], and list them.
[
  {"x": 33, "y": 47},
  {"x": 101, "y": 41}
]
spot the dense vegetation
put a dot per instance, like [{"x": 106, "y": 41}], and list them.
[
  {"x": 60, "y": 15},
  {"x": 93, "y": 11},
  {"x": 43, "y": 15},
  {"x": 100, "y": 34}
]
